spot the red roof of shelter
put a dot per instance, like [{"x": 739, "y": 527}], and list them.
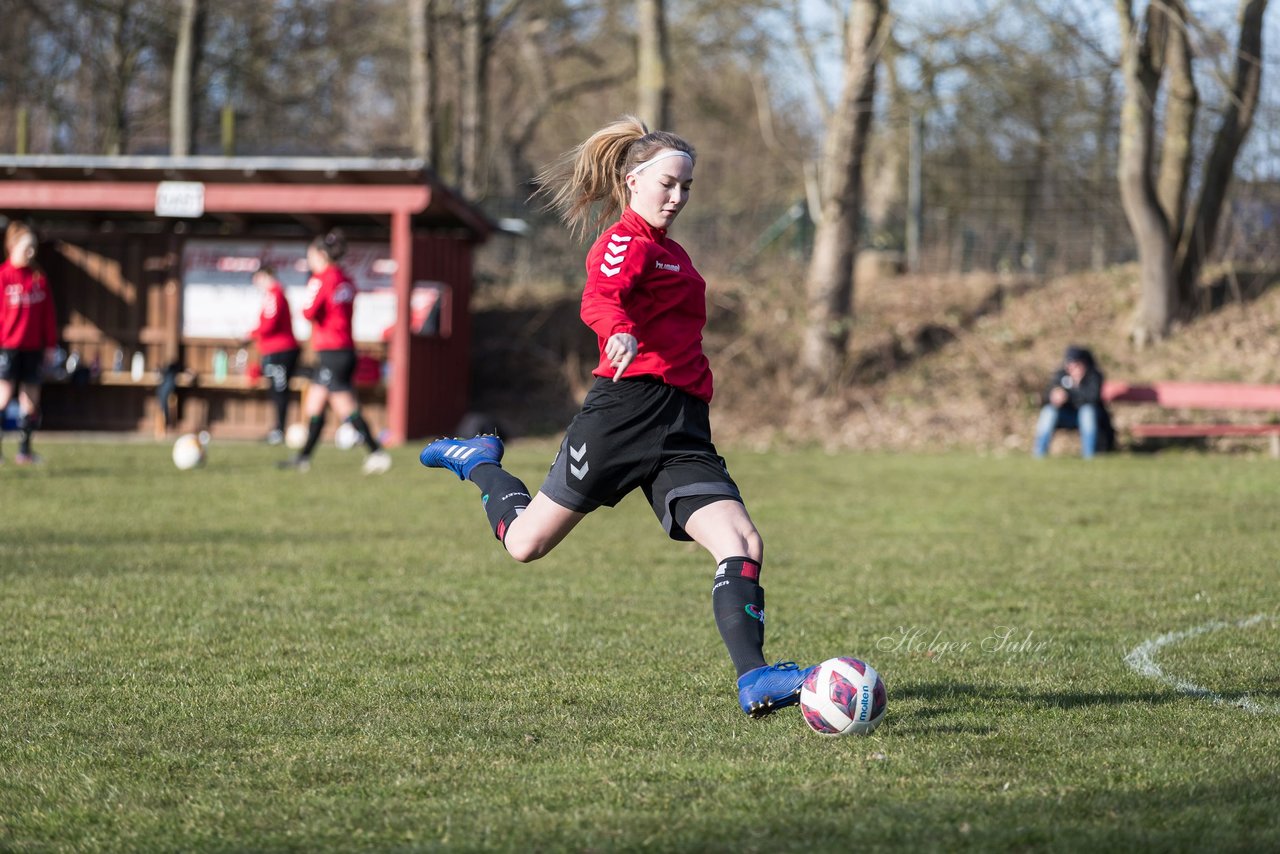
[{"x": 277, "y": 195}]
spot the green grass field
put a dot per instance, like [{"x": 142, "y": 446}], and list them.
[{"x": 243, "y": 659}]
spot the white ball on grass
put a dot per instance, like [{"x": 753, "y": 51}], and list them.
[
  {"x": 843, "y": 696},
  {"x": 188, "y": 451},
  {"x": 346, "y": 436},
  {"x": 295, "y": 436}
]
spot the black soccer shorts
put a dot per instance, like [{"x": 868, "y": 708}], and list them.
[
  {"x": 21, "y": 366},
  {"x": 640, "y": 432},
  {"x": 337, "y": 367},
  {"x": 280, "y": 367}
]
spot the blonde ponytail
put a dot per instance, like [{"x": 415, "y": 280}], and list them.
[{"x": 595, "y": 172}]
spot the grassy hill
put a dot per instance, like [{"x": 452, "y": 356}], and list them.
[{"x": 937, "y": 361}]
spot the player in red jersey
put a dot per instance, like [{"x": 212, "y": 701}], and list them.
[
  {"x": 331, "y": 297},
  {"x": 645, "y": 421},
  {"x": 276, "y": 345},
  {"x": 28, "y": 331}
]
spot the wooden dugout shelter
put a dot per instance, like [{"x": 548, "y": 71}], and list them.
[{"x": 114, "y": 231}]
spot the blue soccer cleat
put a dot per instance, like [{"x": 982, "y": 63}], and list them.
[
  {"x": 772, "y": 687},
  {"x": 462, "y": 455}
]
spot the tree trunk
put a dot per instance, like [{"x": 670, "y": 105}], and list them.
[
  {"x": 182, "y": 94},
  {"x": 1246, "y": 83},
  {"x": 123, "y": 59},
  {"x": 422, "y": 78},
  {"x": 829, "y": 284},
  {"x": 1140, "y": 62},
  {"x": 654, "y": 90},
  {"x": 475, "y": 83},
  {"x": 1100, "y": 238},
  {"x": 1179, "y": 123}
]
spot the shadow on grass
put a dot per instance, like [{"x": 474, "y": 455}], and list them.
[
  {"x": 1203, "y": 811},
  {"x": 950, "y": 697},
  {"x": 935, "y": 691}
]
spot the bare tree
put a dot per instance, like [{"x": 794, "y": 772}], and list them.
[
  {"x": 556, "y": 68},
  {"x": 1142, "y": 61},
  {"x": 653, "y": 59},
  {"x": 1245, "y": 87},
  {"x": 1183, "y": 101},
  {"x": 1172, "y": 245},
  {"x": 829, "y": 284},
  {"x": 479, "y": 31},
  {"x": 422, "y": 78},
  {"x": 183, "y": 93}
]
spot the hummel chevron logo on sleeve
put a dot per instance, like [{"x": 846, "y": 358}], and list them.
[{"x": 613, "y": 257}]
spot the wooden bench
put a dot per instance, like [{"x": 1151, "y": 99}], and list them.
[{"x": 1212, "y": 396}]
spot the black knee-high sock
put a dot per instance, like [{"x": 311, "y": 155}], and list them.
[
  {"x": 27, "y": 424},
  {"x": 314, "y": 426},
  {"x": 357, "y": 421},
  {"x": 504, "y": 495},
  {"x": 280, "y": 397},
  {"x": 738, "y": 602}
]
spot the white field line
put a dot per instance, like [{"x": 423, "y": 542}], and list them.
[{"x": 1142, "y": 661}]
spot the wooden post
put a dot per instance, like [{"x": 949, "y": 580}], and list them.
[{"x": 399, "y": 352}]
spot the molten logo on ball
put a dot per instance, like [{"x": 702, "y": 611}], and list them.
[{"x": 843, "y": 696}]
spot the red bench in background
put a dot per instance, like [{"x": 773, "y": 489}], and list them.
[{"x": 1201, "y": 396}]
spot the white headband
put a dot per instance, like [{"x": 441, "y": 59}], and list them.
[{"x": 661, "y": 155}]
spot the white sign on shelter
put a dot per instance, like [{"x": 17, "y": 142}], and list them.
[{"x": 182, "y": 199}]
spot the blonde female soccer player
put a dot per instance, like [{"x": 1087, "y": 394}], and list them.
[{"x": 644, "y": 423}]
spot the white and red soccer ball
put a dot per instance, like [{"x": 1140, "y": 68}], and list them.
[{"x": 843, "y": 696}]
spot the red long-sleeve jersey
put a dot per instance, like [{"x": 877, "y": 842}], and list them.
[
  {"x": 642, "y": 282},
  {"x": 28, "y": 320},
  {"x": 274, "y": 332},
  {"x": 331, "y": 298}
]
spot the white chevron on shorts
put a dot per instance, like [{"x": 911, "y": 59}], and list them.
[{"x": 578, "y": 453}]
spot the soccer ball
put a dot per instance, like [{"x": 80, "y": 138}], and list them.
[
  {"x": 346, "y": 436},
  {"x": 843, "y": 696},
  {"x": 188, "y": 450},
  {"x": 295, "y": 436}
]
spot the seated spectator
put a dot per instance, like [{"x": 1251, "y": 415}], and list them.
[{"x": 1073, "y": 401}]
